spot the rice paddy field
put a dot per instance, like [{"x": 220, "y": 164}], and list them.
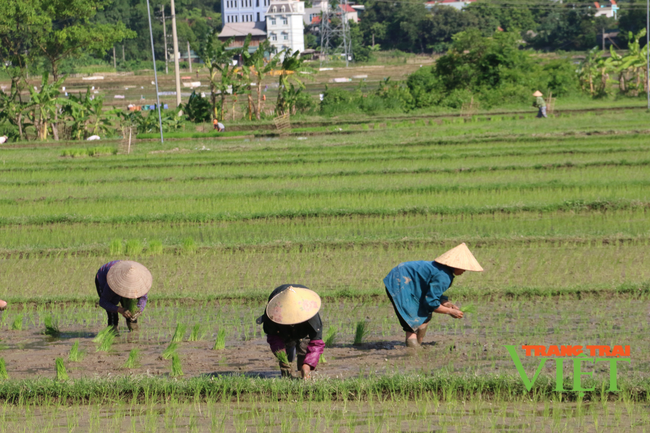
[{"x": 555, "y": 210}]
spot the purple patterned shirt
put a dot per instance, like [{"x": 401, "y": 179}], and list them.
[{"x": 109, "y": 299}]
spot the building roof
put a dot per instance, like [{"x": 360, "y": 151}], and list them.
[
  {"x": 242, "y": 29},
  {"x": 287, "y": 5},
  {"x": 346, "y": 8}
]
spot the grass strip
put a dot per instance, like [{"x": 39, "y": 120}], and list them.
[{"x": 442, "y": 386}]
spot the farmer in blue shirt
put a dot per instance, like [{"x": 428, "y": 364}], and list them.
[
  {"x": 416, "y": 290},
  {"x": 117, "y": 280}
]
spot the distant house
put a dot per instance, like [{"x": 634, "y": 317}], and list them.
[
  {"x": 349, "y": 13},
  {"x": 314, "y": 13},
  {"x": 460, "y": 5},
  {"x": 284, "y": 25},
  {"x": 243, "y": 11},
  {"x": 609, "y": 12},
  {"x": 239, "y": 31}
]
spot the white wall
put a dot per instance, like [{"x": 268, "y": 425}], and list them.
[
  {"x": 242, "y": 11},
  {"x": 286, "y": 29}
]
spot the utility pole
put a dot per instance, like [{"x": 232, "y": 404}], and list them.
[
  {"x": 177, "y": 70},
  {"x": 189, "y": 56},
  {"x": 331, "y": 32},
  {"x": 603, "y": 38},
  {"x": 114, "y": 61},
  {"x": 123, "y": 57},
  {"x": 162, "y": 10},
  {"x": 155, "y": 74},
  {"x": 647, "y": 50}
]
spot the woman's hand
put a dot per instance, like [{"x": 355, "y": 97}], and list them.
[
  {"x": 124, "y": 312},
  {"x": 450, "y": 305},
  {"x": 455, "y": 313}
]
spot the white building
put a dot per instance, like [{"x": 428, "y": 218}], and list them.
[
  {"x": 284, "y": 25},
  {"x": 457, "y": 4},
  {"x": 243, "y": 11}
]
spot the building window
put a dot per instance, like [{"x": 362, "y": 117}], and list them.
[
  {"x": 274, "y": 37},
  {"x": 258, "y": 16},
  {"x": 285, "y": 36},
  {"x": 284, "y": 20},
  {"x": 275, "y": 9},
  {"x": 272, "y": 21},
  {"x": 257, "y": 3},
  {"x": 282, "y": 9}
]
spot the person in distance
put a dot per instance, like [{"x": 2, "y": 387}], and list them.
[
  {"x": 416, "y": 290},
  {"x": 293, "y": 326},
  {"x": 123, "y": 282}
]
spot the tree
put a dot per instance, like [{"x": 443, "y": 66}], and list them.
[
  {"x": 71, "y": 32},
  {"x": 292, "y": 65},
  {"x": 260, "y": 67},
  {"x": 43, "y": 106}
]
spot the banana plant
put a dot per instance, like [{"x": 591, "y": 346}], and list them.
[
  {"x": 635, "y": 60},
  {"x": 292, "y": 65},
  {"x": 43, "y": 107},
  {"x": 256, "y": 65},
  {"x": 87, "y": 116},
  {"x": 616, "y": 61},
  {"x": 588, "y": 69}
]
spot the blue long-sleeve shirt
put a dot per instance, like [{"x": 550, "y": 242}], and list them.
[
  {"x": 417, "y": 289},
  {"x": 109, "y": 300}
]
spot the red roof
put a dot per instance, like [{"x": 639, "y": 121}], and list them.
[
  {"x": 346, "y": 8},
  {"x": 315, "y": 20}
]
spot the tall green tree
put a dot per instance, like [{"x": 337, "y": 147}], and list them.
[
  {"x": 259, "y": 64},
  {"x": 291, "y": 67}
]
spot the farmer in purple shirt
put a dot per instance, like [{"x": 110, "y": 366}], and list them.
[
  {"x": 292, "y": 325},
  {"x": 119, "y": 281}
]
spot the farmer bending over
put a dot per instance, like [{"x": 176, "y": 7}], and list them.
[
  {"x": 123, "y": 282},
  {"x": 292, "y": 325},
  {"x": 416, "y": 290}
]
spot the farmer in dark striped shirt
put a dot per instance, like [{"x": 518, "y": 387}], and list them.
[
  {"x": 119, "y": 281},
  {"x": 292, "y": 325}
]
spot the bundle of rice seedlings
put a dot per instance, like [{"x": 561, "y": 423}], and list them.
[
  {"x": 189, "y": 246},
  {"x": 134, "y": 359},
  {"x": 196, "y": 334},
  {"x": 361, "y": 333},
  {"x": 61, "y": 374},
  {"x": 51, "y": 327},
  {"x": 75, "y": 354},
  {"x": 469, "y": 308},
  {"x": 116, "y": 247},
  {"x": 130, "y": 305},
  {"x": 330, "y": 337},
  {"x": 176, "y": 366},
  {"x": 220, "y": 343},
  {"x": 179, "y": 333},
  {"x": 3, "y": 370},
  {"x": 322, "y": 359},
  {"x": 17, "y": 324},
  {"x": 134, "y": 247},
  {"x": 170, "y": 350},
  {"x": 155, "y": 248},
  {"x": 105, "y": 339},
  {"x": 282, "y": 356}
]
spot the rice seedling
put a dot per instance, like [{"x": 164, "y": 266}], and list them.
[
  {"x": 189, "y": 246},
  {"x": 105, "y": 339},
  {"x": 134, "y": 247},
  {"x": 176, "y": 366},
  {"x": 130, "y": 305},
  {"x": 155, "y": 247},
  {"x": 322, "y": 359},
  {"x": 76, "y": 355},
  {"x": 197, "y": 333},
  {"x": 170, "y": 350},
  {"x": 17, "y": 324},
  {"x": 468, "y": 308},
  {"x": 134, "y": 359},
  {"x": 360, "y": 333},
  {"x": 330, "y": 337},
  {"x": 179, "y": 333},
  {"x": 3, "y": 370},
  {"x": 282, "y": 356},
  {"x": 220, "y": 342},
  {"x": 116, "y": 247},
  {"x": 61, "y": 373},
  {"x": 51, "y": 327}
]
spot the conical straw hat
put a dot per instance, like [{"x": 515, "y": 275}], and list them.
[
  {"x": 537, "y": 93},
  {"x": 293, "y": 305},
  {"x": 460, "y": 258},
  {"x": 129, "y": 279}
]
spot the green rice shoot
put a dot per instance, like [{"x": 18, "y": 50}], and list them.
[
  {"x": 179, "y": 333},
  {"x": 360, "y": 333},
  {"x": 220, "y": 342},
  {"x": 469, "y": 308},
  {"x": 116, "y": 247},
  {"x": 155, "y": 248},
  {"x": 170, "y": 350},
  {"x": 3, "y": 370},
  {"x": 76, "y": 355},
  {"x": 105, "y": 339},
  {"x": 61, "y": 373},
  {"x": 51, "y": 327},
  {"x": 322, "y": 359},
  {"x": 130, "y": 305},
  {"x": 134, "y": 359},
  {"x": 330, "y": 337},
  {"x": 134, "y": 247},
  {"x": 176, "y": 366},
  {"x": 196, "y": 334},
  {"x": 17, "y": 324},
  {"x": 282, "y": 356},
  {"x": 103, "y": 333}
]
